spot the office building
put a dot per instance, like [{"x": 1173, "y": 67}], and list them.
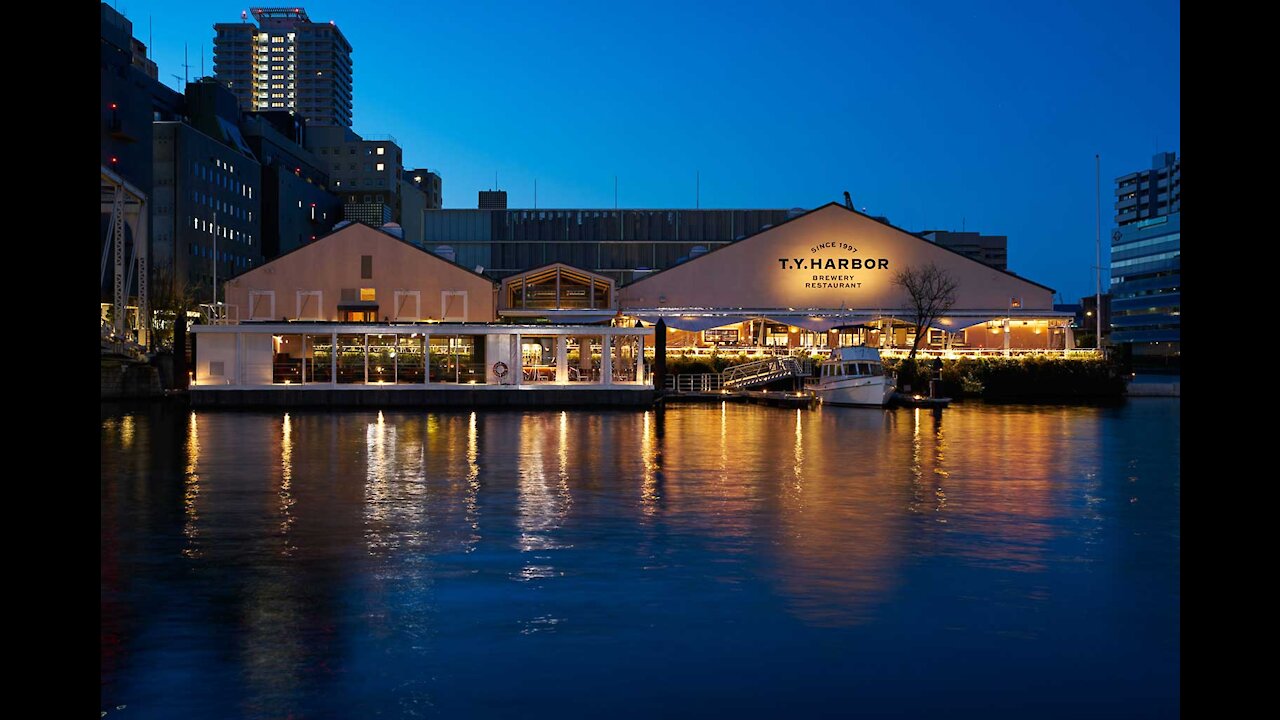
[
  {"x": 364, "y": 172},
  {"x": 297, "y": 206},
  {"x": 493, "y": 200},
  {"x": 286, "y": 62},
  {"x": 624, "y": 245},
  {"x": 992, "y": 250},
  {"x": 130, "y": 100},
  {"x": 1146, "y": 264},
  {"x": 206, "y": 212},
  {"x": 1146, "y": 194},
  {"x": 429, "y": 182}
]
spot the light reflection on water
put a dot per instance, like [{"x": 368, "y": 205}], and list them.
[{"x": 274, "y": 564}]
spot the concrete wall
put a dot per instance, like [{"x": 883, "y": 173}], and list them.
[
  {"x": 257, "y": 353},
  {"x": 774, "y": 270},
  {"x": 214, "y": 349},
  {"x": 332, "y": 263}
]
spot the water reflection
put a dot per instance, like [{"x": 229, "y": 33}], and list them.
[
  {"x": 191, "y": 530},
  {"x": 299, "y": 561},
  {"x": 286, "y": 482},
  {"x": 543, "y": 502}
]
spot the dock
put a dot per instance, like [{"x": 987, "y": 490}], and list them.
[
  {"x": 772, "y": 398},
  {"x": 918, "y": 401}
]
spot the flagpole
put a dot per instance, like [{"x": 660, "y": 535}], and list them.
[{"x": 1097, "y": 170}]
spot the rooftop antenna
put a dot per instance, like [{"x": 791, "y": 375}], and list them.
[
  {"x": 149, "y": 45},
  {"x": 535, "y": 193},
  {"x": 201, "y": 59},
  {"x": 615, "y": 192},
  {"x": 697, "y": 192}
]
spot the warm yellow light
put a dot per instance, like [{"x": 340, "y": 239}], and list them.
[{"x": 795, "y": 330}]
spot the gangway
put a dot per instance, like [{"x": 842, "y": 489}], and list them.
[{"x": 761, "y": 372}]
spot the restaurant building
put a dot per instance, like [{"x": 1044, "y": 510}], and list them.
[
  {"x": 826, "y": 279},
  {"x": 361, "y": 307}
]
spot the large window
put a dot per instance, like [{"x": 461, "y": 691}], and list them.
[
  {"x": 457, "y": 359},
  {"x": 410, "y": 359},
  {"x": 351, "y": 358},
  {"x": 382, "y": 358},
  {"x": 319, "y": 355}
]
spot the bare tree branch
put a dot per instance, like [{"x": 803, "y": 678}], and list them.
[{"x": 931, "y": 291}]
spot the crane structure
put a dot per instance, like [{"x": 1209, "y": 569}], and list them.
[{"x": 127, "y": 206}]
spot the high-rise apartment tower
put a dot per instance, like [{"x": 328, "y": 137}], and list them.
[{"x": 286, "y": 62}]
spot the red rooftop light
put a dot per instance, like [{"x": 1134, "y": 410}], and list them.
[{"x": 114, "y": 106}]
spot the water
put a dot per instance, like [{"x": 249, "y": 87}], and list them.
[{"x": 993, "y": 561}]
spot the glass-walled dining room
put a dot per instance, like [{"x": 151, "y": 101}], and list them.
[{"x": 302, "y": 355}]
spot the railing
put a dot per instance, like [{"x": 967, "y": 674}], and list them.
[
  {"x": 699, "y": 382},
  {"x": 748, "y": 350},
  {"x": 985, "y": 352},
  {"x": 219, "y": 314},
  {"x": 762, "y": 371}
]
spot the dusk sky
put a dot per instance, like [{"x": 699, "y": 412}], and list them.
[{"x": 936, "y": 114}]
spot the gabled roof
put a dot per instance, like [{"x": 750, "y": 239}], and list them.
[
  {"x": 541, "y": 269},
  {"x": 351, "y": 224},
  {"x": 917, "y": 238}
]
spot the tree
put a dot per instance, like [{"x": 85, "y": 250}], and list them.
[
  {"x": 931, "y": 291},
  {"x": 171, "y": 298}
]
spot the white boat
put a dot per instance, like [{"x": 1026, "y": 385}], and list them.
[{"x": 853, "y": 376}]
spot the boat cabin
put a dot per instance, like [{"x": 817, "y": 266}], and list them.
[{"x": 852, "y": 362}]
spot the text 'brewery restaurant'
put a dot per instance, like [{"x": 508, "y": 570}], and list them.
[{"x": 362, "y": 307}]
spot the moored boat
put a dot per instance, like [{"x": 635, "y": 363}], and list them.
[{"x": 853, "y": 376}]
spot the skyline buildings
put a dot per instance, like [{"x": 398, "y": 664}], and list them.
[{"x": 1019, "y": 165}]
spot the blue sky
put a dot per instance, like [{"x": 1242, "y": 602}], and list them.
[{"x": 936, "y": 114}]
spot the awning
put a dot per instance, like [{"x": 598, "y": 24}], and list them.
[
  {"x": 692, "y": 323},
  {"x": 557, "y": 319},
  {"x": 358, "y": 305},
  {"x": 956, "y": 324},
  {"x": 817, "y": 323}
]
